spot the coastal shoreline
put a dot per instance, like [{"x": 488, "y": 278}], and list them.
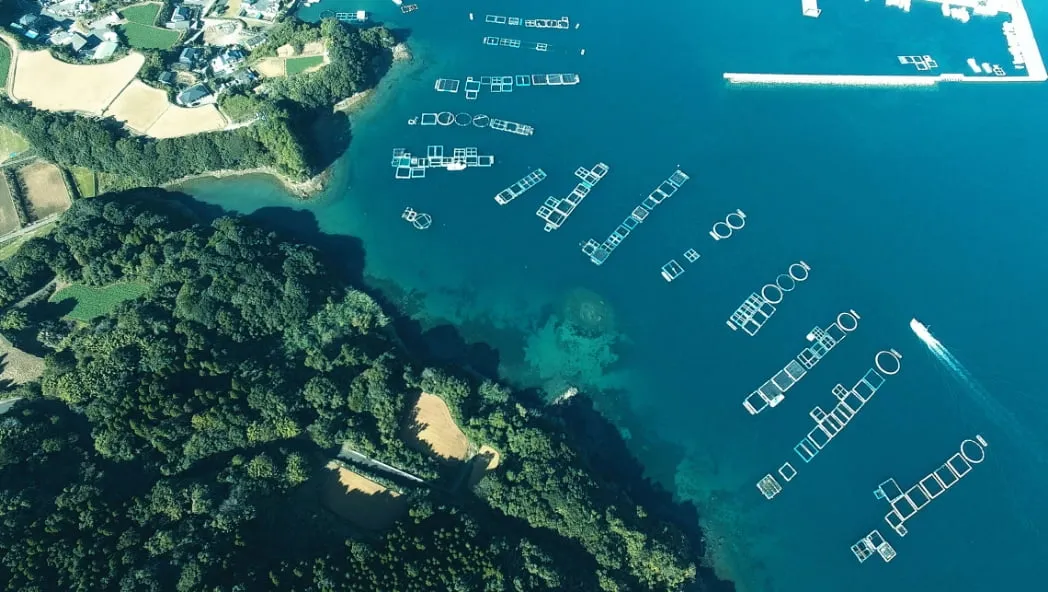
[{"x": 300, "y": 189}]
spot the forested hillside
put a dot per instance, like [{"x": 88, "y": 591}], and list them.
[{"x": 175, "y": 442}]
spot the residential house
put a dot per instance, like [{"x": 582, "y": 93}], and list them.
[
  {"x": 266, "y": 10},
  {"x": 181, "y": 18},
  {"x": 193, "y": 95},
  {"x": 167, "y": 78},
  {"x": 227, "y": 62},
  {"x": 254, "y": 42},
  {"x": 190, "y": 57},
  {"x": 83, "y": 43}
]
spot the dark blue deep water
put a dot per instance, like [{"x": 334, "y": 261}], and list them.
[{"x": 905, "y": 203}]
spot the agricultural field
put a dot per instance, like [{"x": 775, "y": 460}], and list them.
[
  {"x": 439, "y": 433},
  {"x": 8, "y": 213},
  {"x": 299, "y": 65},
  {"x": 45, "y": 189},
  {"x": 86, "y": 181},
  {"x": 93, "y": 302},
  {"x": 360, "y": 500},
  {"x": 5, "y": 62},
  {"x": 11, "y": 144},
  {"x": 54, "y": 85},
  {"x": 143, "y": 14},
  {"x": 183, "y": 121},
  {"x": 139, "y": 106},
  {"x": 147, "y": 37}
]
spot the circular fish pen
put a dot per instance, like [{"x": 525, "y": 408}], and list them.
[
  {"x": 848, "y": 321},
  {"x": 768, "y": 299},
  {"x": 888, "y": 362},
  {"x": 785, "y": 282},
  {"x": 801, "y": 275},
  {"x": 972, "y": 451},
  {"x": 463, "y": 119},
  {"x": 481, "y": 120},
  {"x": 445, "y": 118}
]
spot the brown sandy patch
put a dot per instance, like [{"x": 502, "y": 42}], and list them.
[
  {"x": 50, "y": 84},
  {"x": 185, "y": 121},
  {"x": 270, "y": 67},
  {"x": 233, "y": 9},
  {"x": 439, "y": 434},
  {"x": 18, "y": 366},
  {"x": 312, "y": 48},
  {"x": 487, "y": 459},
  {"x": 139, "y": 106},
  {"x": 360, "y": 500},
  {"x": 285, "y": 51},
  {"x": 45, "y": 189}
]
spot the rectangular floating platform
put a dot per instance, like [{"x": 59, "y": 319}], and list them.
[
  {"x": 769, "y": 486},
  {"x": 408, "y": 8},
  {"x": 906, "y": 505},
  {"x": 408, "y": 166},
  {"x": 691, "y": 255},
  {"x": 599, "y": 252},
  {"x": 556, "y": 211},
  {"x": 773, "y": 391},
  {"x": 758, "y": 309},
  {"x": 520, "y": 187},
  {"x": 538, "y": 23},
  {"x": 428, "y": 119},
  {"x": 449, "y": 85},
  {"x": 871, "y": 544},
  {"x": 511, "y": 127},
  {"x": 672, "y": 270},
  {"x": 472, "y": 89}
]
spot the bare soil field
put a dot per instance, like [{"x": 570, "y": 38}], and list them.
[
  {"x": 44, "y": 188},
  {"x": 185, "y": 121},
  {"x": 313, "y": 48},
  {"x": 359, "y": 499},
  {"x": 50, "y": 84},
  {"x": 487, "y": 459},
  {"x": 139, "y": 106},
  {"x": 18, "y": 367},
  {"x": 270, "y": 67},
  {"x": 439, "y": 431},
  {"x": 8, "y": 214}
]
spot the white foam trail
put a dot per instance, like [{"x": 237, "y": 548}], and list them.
[{"x": 993, "y": 409}]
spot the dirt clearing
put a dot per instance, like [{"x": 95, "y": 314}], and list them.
[
  {"x": 360, "y": 500},
  {"x": 18, "y": 367},
  {"x": 45, "y": 189},
  {"x": 439, "y": 432},
  {"x": 57, "y": 86},
  {"x": 184, "y": 121},
  {"x": 270, "y": 67},
  {"x": 487, "y": 459},
  {"x": 139, "y": 106}
]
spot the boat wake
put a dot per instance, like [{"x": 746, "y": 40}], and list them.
[{"x": 993, "y": 409}]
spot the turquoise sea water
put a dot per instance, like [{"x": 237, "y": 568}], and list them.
[{"x": 905, "y": 203}]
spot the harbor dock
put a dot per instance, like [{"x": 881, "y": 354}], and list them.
[
  {"x": 556, "y": 211},
  {"x": 409, "y": 166},
  {"x": 520, "y": 187},
  {"x": 599, "y": 252}
]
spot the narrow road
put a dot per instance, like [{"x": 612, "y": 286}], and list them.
[
  {"x": 348, "y": 453},
  {"x": 28, "y": 228}
]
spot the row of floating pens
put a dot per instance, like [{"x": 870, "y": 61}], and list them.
[{"x": 563, "y": 23}]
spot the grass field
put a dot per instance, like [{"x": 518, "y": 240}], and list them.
[
  {"x": 5, "y": 62},
  {"x": 298, "y": 65},
  {"x": 11, "y": 144},
  {"x": 147, "y": 37},
  {"x": 86, "y": 181},
  {"x": 10, "y": 247},
  {"x": 92, "y": 302},
  {"x": 144, "y": 14},
  {"x": 8, "y": 214}
]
